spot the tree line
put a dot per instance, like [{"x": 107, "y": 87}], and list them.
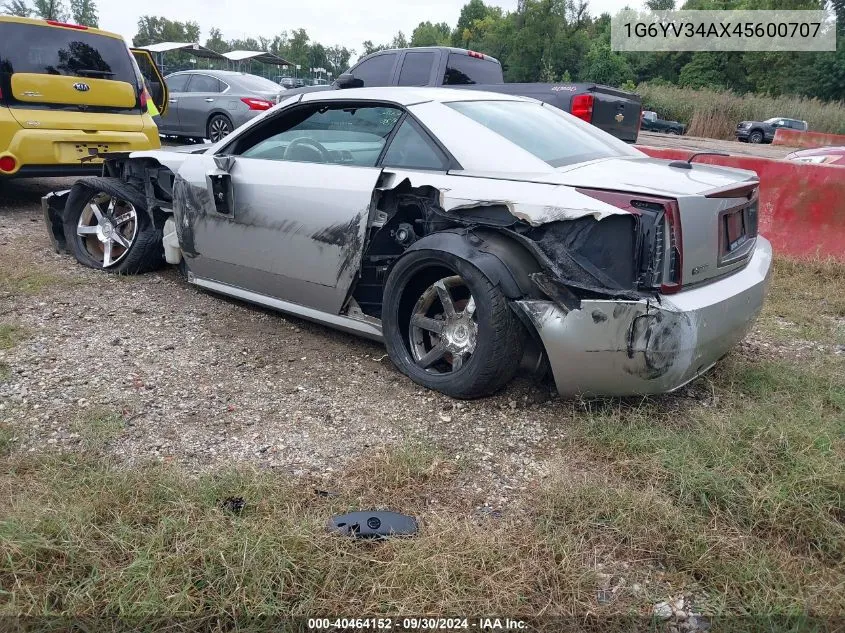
[{"x": 542, "y": 40}]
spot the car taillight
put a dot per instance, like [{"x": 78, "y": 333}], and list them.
[
  {"x": 582, "y": 107},
  {"x": 639, "y": 123},
  {"x": 8, "y": 164},
  {"x": 144, "y": 98},
  {"x": 670, "y": 280},
  {"x": 257, "y": 104},
  {"x": 78, "y": 27}
]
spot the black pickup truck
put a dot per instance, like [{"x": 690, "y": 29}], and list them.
[{"x": 614, "y": 111}]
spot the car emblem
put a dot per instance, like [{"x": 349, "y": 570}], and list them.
[
  {"x": 81, "y": 87},
  {"x": 619, "y": 118}
]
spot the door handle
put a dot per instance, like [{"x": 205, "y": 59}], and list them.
[
  {"x": 172, "y": 100},
  {"x": 209, "y": 100}
]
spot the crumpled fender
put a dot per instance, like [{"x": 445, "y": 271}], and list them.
[{"x": 502, "y": 260}]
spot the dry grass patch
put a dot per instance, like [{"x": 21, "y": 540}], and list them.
[{"x": 10, "y": 336}]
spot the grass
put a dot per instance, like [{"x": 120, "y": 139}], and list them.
[
  {"x": 11, "y": 335},
  {"x": 24, "y": 281},
  {"x": 735, "y": 497},
  {"x": 715, "y": 114},
  {"x": 98, "y": 426}
]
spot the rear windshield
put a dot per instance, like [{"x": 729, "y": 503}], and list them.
[
  {"x": 461, "y": 69},
  {"x": 256, "y": 83},
  {"x": 30, "y": 48},
  {"x": 544, "y": 131}
]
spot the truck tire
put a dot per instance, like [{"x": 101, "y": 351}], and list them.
[
  {"x": 106, "y": 226},
  {"x": 448, "y": 328}
]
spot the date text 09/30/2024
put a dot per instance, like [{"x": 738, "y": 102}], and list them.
[{"x": 416, "y": 624}]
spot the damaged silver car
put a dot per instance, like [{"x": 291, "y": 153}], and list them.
[{"x": 474, "y": 233}]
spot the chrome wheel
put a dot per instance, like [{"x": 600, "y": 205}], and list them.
[
  {"x": 219, "y": 128},
  {"x": 443, "y": 331},
  {"x": 107, "y": 229}
]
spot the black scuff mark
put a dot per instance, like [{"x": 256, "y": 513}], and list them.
[
  {"x": 599, "y": 316},
  {"x": 191, "y": 205},
  {"x": 346, "y": 236},
  {"x": 656, "y": 339}
]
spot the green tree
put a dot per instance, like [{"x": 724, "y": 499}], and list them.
[
  {"x": 84, "y": 12},
  {"x": 216, "y": 42},
  {"x": 18, "y": 8},
  {"x": 50, "y": 10},
  {"x": 154, "y": 29},
  {"x": 472, "y": 11},
  {"x": 604, "y": 66},
  {"x": 428, "y": 34}
]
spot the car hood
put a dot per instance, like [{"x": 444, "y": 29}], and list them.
[{"x": 651, "y": 176}]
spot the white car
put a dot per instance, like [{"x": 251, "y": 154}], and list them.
[{"x": 474, "y": 233}]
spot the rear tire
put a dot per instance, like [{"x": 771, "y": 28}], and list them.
[
  {"x": 107, "y": 227},
  {"x": 219, "y": 127},
  {"x": 483, "y": 339}
]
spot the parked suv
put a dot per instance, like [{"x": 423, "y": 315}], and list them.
[
  {"x": 764, "y": 131},
  {"x": 69, "y": 94}
]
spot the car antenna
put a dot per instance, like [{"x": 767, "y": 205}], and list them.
[{"x": 687, "y": 164}]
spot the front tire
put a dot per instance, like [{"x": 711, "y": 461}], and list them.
[
  {"x": 106, "y": 226},
  {"x": 755, "y": 137},
  {"x": 219, "y": 127},
  {"x": 448, "y": 328}
]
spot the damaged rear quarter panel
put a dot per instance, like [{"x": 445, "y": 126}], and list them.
[{"x": 534, "y": 203}]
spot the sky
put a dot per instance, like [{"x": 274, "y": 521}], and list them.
[{"x": 330, "y": 22}]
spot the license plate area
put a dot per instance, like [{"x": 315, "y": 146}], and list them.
[{"x": 85, "y": 152}]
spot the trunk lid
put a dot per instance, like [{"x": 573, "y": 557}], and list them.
[{"x": 717, "y": 206}]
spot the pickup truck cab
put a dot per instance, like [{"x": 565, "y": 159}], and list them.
[
  {"x": 614, "y": 111},
  {"x": 653, "y": 123}
]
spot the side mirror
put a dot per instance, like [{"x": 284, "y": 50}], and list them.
[{"x": 348, "y": 80}]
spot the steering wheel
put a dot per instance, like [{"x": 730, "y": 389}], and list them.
[{"x": 305, "y": 141}]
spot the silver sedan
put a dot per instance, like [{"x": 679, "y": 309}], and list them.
[
  {"x": 213, "y": 103},
  {"x": 477, "y": 235}
]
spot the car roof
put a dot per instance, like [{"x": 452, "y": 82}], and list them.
[
  {"x": 210, "y": 71},
  {"x": 58, "y": 25},
  {"x": 409, "y": 95}
]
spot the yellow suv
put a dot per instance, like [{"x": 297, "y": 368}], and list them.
[{"x": 69, "y": 94}]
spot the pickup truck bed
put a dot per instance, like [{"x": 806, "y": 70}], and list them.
[{"x": 615, "y": 111}]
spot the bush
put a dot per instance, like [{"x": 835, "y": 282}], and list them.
[{"x": 715, "y": 114}]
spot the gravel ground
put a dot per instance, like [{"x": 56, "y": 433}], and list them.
[{"x": 202, "y": 380}]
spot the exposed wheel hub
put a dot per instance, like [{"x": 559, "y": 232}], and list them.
[
  {"x": 107, "y": 228},
  {"x": 443, "y": 331}
]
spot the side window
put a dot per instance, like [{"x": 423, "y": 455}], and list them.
[
  {"x": 416, "y": 69},
  {"x": 340, "y": 134},
  {"x": 204, "y": 83},
  {"x": 412, "y": 149},
  {"x": 375, "y": 71},
  {"x": 177, "y": 83}
]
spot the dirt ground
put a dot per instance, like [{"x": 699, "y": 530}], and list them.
[{"x": 708, "y": 144}]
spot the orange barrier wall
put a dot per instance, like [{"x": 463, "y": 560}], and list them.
[
  {"x": 807, "y": 140},
  {"x": 802, "y": 206}
]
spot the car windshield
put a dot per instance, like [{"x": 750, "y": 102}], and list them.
[
  {"x": 544, "y": 131},
  {"x": 256, "y": 83}
]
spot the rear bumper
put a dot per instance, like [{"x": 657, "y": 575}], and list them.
[
  {"x": 45, "y": 152},
  {"x": 619, "y": 348}
]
